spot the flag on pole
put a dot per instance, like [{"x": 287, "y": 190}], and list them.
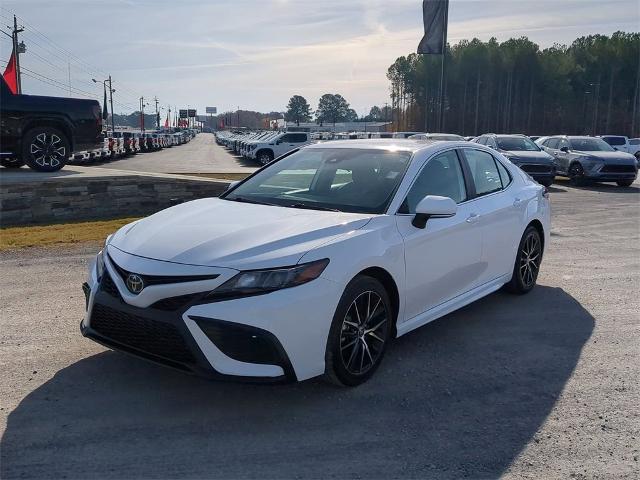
[
  {"x": 434, "y": 17},
  {"x": 166, "y": 122},
  {"x": 10, "y": 74},
  {"x": 105, "y": 112}
]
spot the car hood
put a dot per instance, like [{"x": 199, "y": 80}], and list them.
[
  {"x": 620, "y": 158},
  {"x": 528, "y": 157},
  {"x": 221, "y": 233}
]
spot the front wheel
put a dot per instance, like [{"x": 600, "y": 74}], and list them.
[
  {"x": 624, "y": 183},
  {"x": 265, "y": 157},
  {"x": 45, "y": 149},
  {"x": 528, "y": 259},
  {"x": 360, "y": 331},
  {"x": 576, "y": 175}
]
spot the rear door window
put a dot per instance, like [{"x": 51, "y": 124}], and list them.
[{"x": 484, "y": 171}]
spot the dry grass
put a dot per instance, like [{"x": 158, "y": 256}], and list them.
[{"x": 59, "y": 234}]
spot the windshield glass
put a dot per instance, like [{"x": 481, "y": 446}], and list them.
[
  {"x": 344, "y": 179},
  {"x": 590, "y": 145},
  {"x": 517, "y": 144}
]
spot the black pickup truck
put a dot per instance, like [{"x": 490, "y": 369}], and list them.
[{"x": 43, "y": 132}]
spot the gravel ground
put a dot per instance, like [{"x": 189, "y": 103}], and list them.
[{"x": 539, "y": 386}]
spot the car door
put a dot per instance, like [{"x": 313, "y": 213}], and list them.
[
  {"x": 499, "y": 210},
  {"x": 442, "y": 260},
  {"x": 563, "y": 158}
]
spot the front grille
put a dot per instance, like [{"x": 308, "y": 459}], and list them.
[
  {"x": 150, "y": 336},
  {"x": 108, "y": 286},
  {"x": 535, "y": 168},
  {"x": 174, "y": 303},
  {"x": 618, "y": 169},
  {"x": 162, "y": 279}
]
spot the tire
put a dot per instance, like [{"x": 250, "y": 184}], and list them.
[
  {"x": 624, "y": 183},
  {"x": 576, "y": 174},
  {"x": 45, "y": 149},
  {"x": 527, "y": 265},
  {"x": 355, "y": 348},
  {"x": 11, "y": 163},
  {"x": 547, "y": 182},
  {"x": 264, "y": 156}
]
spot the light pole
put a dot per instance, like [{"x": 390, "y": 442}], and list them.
[
  {"x": 142, "y": 105},
  {"x": 111, "y": 91}
]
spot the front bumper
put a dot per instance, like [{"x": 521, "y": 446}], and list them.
[
  {"x": 612, "y": 172},
  {"x": 277, "y": 337}
]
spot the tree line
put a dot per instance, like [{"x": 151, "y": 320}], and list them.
[{"x": 590, "y": 87}]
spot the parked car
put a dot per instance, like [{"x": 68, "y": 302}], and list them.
[
  {"x": 585, "y": 159},
  {"x": 44, "y": 132},
  {"x": 623, "y": 144},
  {"x": 446, "y": 137},
  {"x": 405, "y": 134},
  {"x": 266, "y": 151},
  {"x": 359, "y": 242},
  {"x": 524, "y": 153}
]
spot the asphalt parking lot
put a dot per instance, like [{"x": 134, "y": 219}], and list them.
[
  {"x": 539, "y": 386},
  {"x": 200, "y": 155}
]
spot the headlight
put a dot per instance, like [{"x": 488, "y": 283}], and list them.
[
  {"x": 252, "y": 147},
  {"x": 256, "y": 282}
]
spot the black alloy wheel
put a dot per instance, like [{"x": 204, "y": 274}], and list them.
[
  {"x": 45, "y": 149},
  {"x": 528, "y": 260},
  {"x": 576, "y": 174},
  {"x": 265, "y": 157},
  {"x": 360, "y": 332}
]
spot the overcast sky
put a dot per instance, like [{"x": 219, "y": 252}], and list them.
[{"x": 256, "y": 54}]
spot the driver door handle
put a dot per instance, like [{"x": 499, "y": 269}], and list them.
[
  {"x": 517, "y": 201},
  {"x": 473, "y": 218}
]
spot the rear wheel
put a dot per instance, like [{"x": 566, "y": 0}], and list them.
[
  {"x": 576, "y": 174},
  {"x": 45, "y": 149},
  {"x": 11, "y": 163},
  {"x": 360, "y": 331},
  {"x": 624, "y": 183},
  {"x": 527, "y": 266}
]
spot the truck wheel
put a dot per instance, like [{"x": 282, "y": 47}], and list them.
[
  {"x": 11, "y": 163},
  {"x": 264, "y": 156},
  {"x": 45, "y": 149}
]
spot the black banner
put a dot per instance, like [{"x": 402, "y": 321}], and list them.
[{"x": 434, "y": 16}]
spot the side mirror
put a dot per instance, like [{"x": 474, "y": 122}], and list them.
[
  {"x": 232, "y": 184},
  {"x": 433, "y": 206},
  {"x": 278, "y": 142},
  {"x": 564, "y": 149},
  {"x": 615, "y": 148}
]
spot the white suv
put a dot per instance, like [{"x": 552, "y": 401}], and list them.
[{"x": 266, "y": 151}]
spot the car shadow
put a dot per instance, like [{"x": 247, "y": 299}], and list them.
[
  {"x": 599, "y": 187},
  {"x": 460, "y": 397}
]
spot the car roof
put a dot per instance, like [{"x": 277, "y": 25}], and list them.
[{"x": 388, "y": 144}]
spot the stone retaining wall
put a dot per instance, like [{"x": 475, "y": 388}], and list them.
[{"x": 62, "y": 199}]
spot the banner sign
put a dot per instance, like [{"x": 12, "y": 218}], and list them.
[{"x": 212, "y": 110}]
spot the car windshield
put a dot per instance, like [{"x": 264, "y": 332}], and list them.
[
  {"x": 343, "y": 179},
  {"x": 516, "y": 144},
  {"x": 590, "y": 145}
]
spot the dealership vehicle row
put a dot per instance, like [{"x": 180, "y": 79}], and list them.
[{"x": 606, "y": 158}]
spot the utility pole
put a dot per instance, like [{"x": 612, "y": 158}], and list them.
[
  {"x": 18, "y": 49},
  {"x": 238, "y": 115},
  {"x": 142, "y": 114},
  {"x": 155, "y": 99},
  {"x": 111, "y": 90}
]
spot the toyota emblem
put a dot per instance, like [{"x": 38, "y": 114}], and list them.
[{"x": 135, "y": 284}]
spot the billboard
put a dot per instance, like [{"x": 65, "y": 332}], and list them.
[
  {"x": 192, "y": 112},
  {"x": 212, "y": 110},
  {"x": 183, "y": 113}
]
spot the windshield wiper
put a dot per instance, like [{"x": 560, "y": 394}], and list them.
[
  {"x": 312, "y": 207},
  {"x": 248, "y": 200}
]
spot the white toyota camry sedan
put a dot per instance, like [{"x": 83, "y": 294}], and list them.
[{"x": 316, "y": 262}]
